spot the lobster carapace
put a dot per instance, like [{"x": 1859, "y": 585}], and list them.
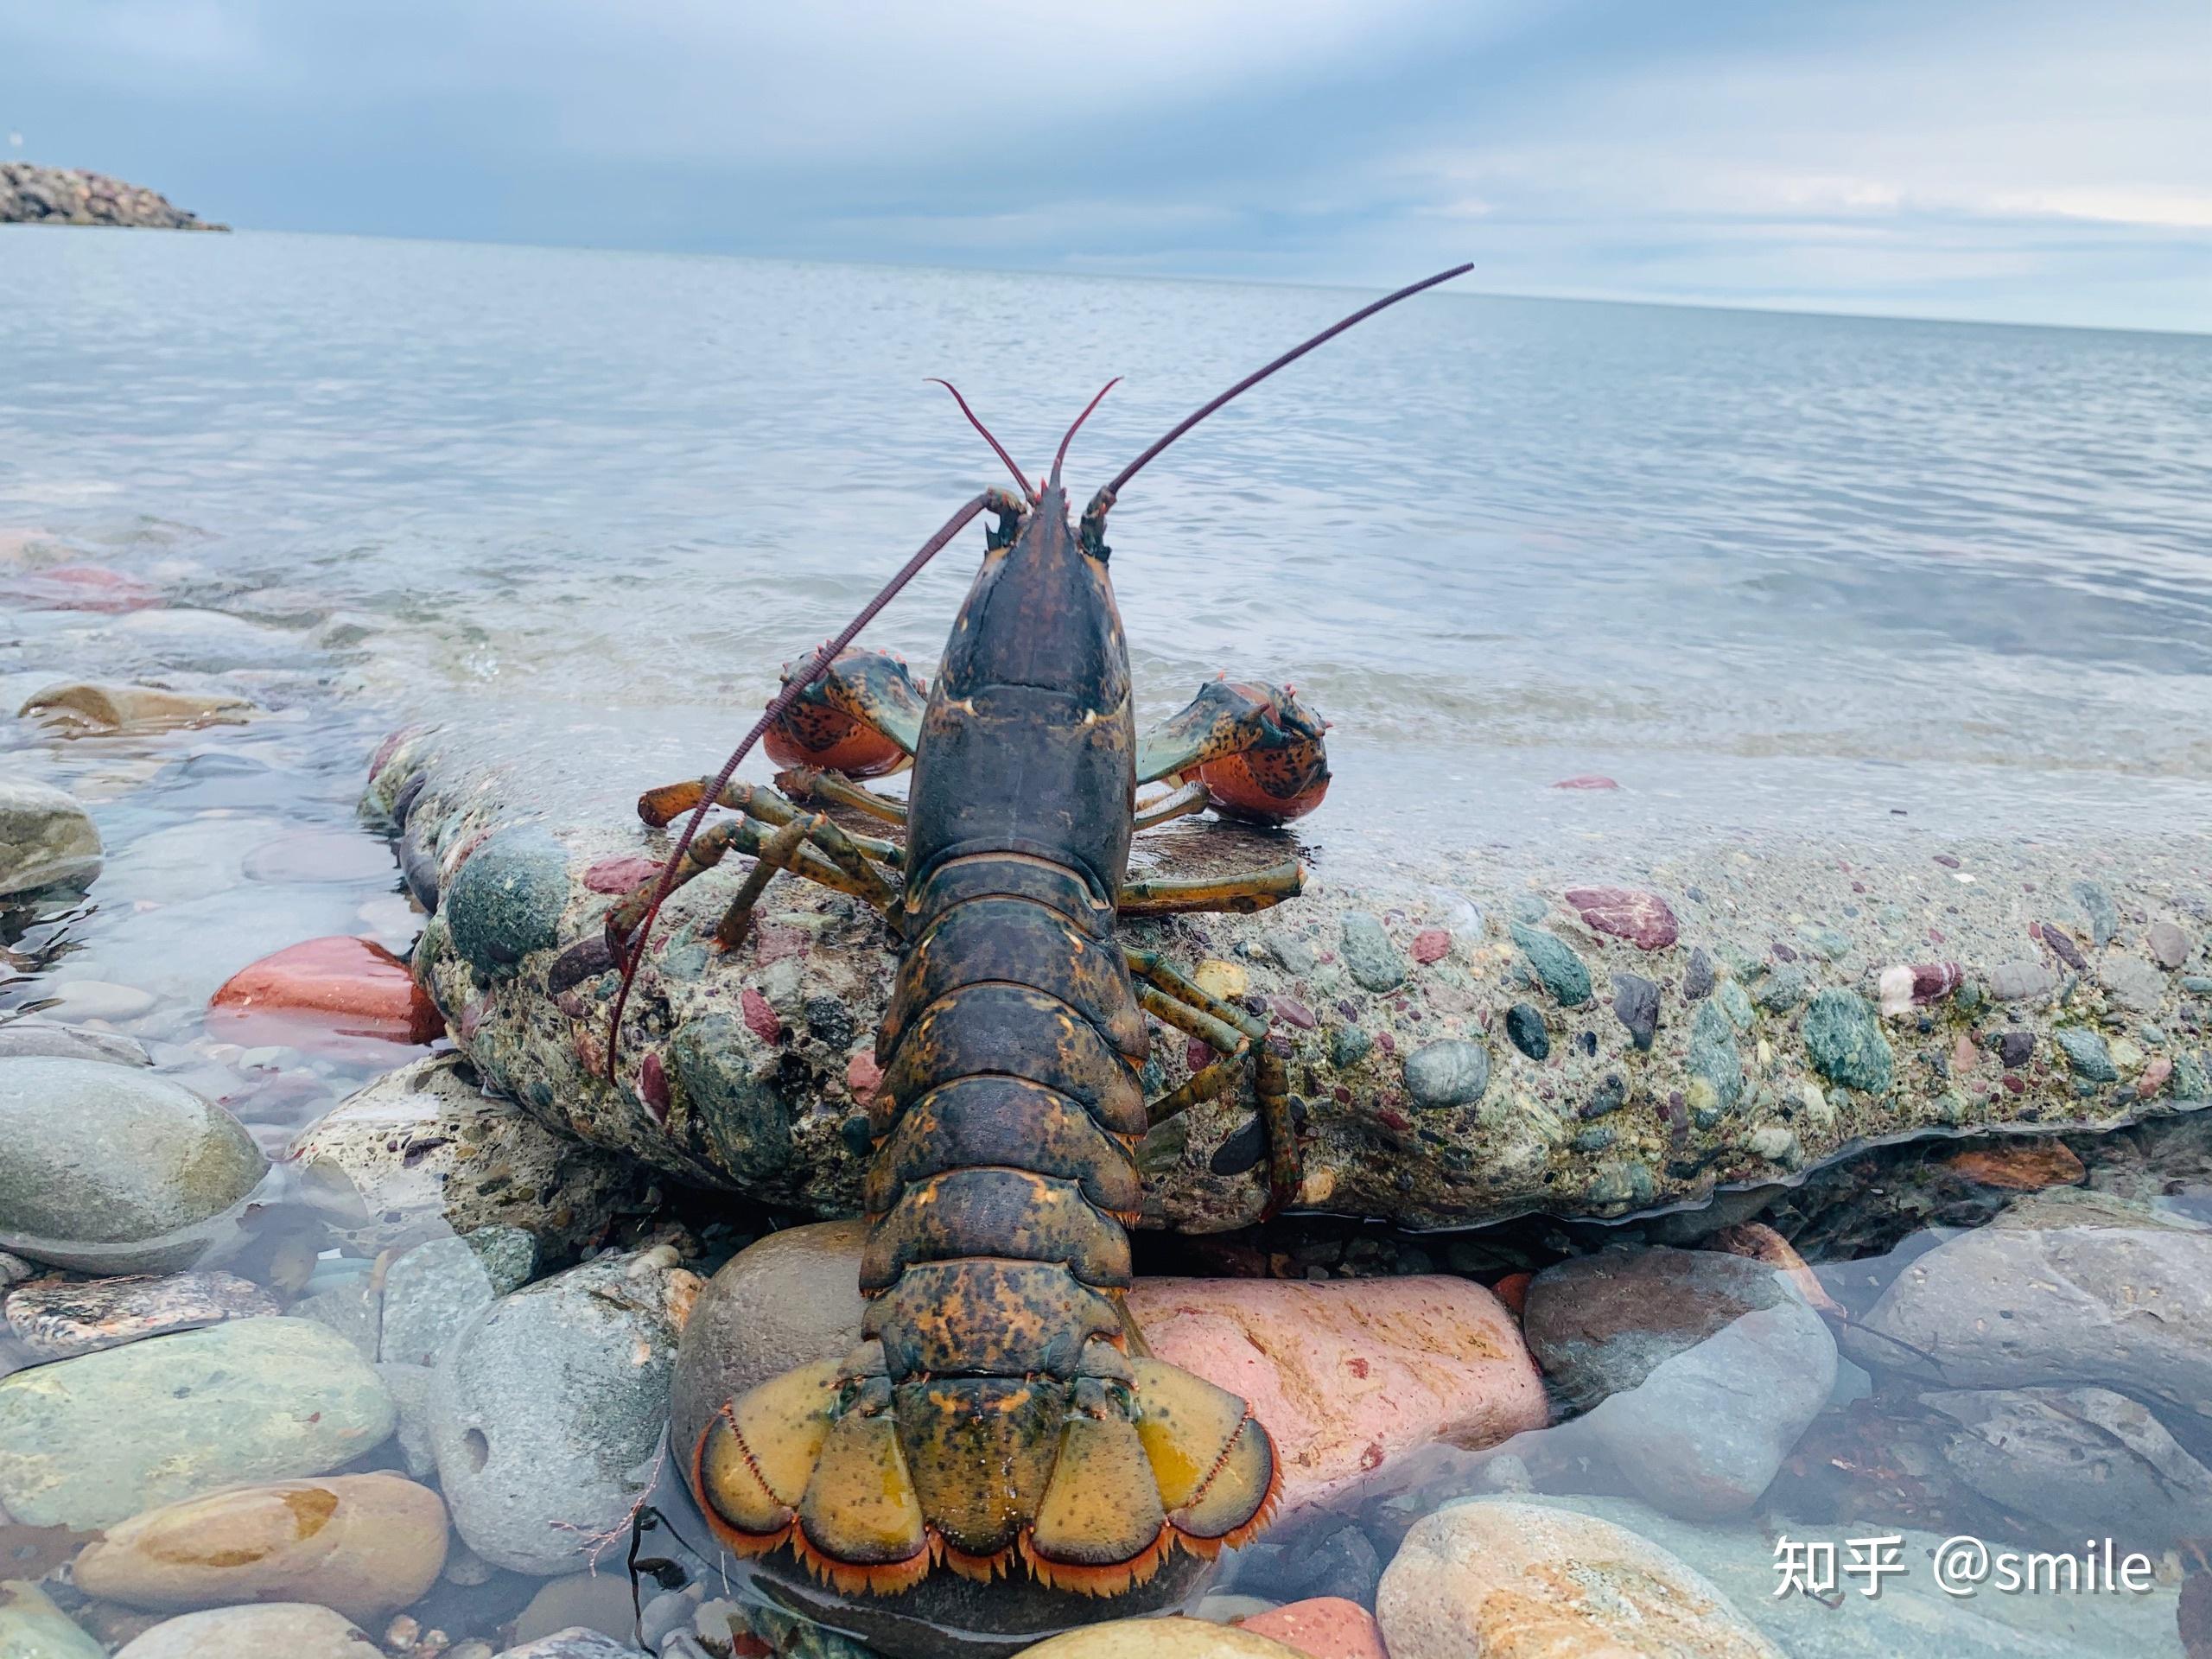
[{"x": 1000, "y": 1411}]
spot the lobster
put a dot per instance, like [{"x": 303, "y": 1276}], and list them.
[{"x": 1001, "y": 1408}]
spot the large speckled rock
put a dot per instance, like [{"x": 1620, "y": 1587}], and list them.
[
  {"x": 506, "y": 901},
  {"x": 1501, "y": 1578},
  {"x": 366, "y": 1545},
  {"x": 256, "y": 1400},
  {"x": 792, "y": 1298},
  {"x": 280, "y": 1630},
  {"x": 544, "y": 1415},
  {"x": 752, "y": 1069},
  {"x": 32, "y": 1627},
  {"x": 1349, "y": 1376},
  {"x": 424, "y": 1151},
  {"x": 2081, "y": 1459},
  {"x": 47, "y": 840},
  {"x": 108, "y": 1169},
  {"x": 2058, "y": 1287}
]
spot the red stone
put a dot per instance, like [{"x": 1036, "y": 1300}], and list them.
[
  {"x": 625, "y": 873},
  {"x": 324, "y": 994},
  {"x": 1588, "y": 780},
  {"x": 2154, "y": 1078},
  {"x": 1326, "y": 1627},
  {"x": 80, "y": 588},
  {"x": 1431, "y": 944},
  {"x": 760, "y": 1017},
  {"x": 1290, "y": 1010},
  {"x": 1513, "y": 1291},
  {"x": 1641, "y": 918},
  {"x": 1196, "y": 1053},
  {"x": 652, "y": 1087},
  {"x": 863, "y": 1077}
]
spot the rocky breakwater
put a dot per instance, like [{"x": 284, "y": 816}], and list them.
[
  {"x": 30, "y": 195},
  {"x": 1585, "y": 1039}
]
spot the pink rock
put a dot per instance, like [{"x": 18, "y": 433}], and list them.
[
  {"x": 759, "y": 1016},
  {"x": 1431, "y": 945},
  {"x": 1328, "y": 1627},
  {"x": 2154, "y": 1076},
  {"x": 652, "y": 1086},
  {"x": 863, "y": 1077},
  {"x": 1351, "y": 1374},
  {"x": 624, "y": 873},
  {"x": 1964, "y": 1055},
  {"x": 1588, "y": 780},
  {"x": 1641, "y": 918},
  {"x": 322, "y": 993},
  {"x": 80, "y": 587}
]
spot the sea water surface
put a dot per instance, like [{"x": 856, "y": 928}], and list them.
[{"x": 1773, "y": 575}]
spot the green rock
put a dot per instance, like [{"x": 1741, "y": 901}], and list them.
[
  {"x": 507, "y": 899},
  {"x": 1715, "y": 1057},
  {"x": 1449, "y": 1073},
  {"x": 31, "y": 1627},
  {"x": 1783, "y": 989},
  {"x": 2097, "y": 907},
  {"x": 1373, "y": 960},
  {"x": 2189, "y": 1081},
  {"x": 1348, "y": 1047},
  {"x": 2086, "y": 1053},
  {"x": 743, "y": 1118},
  {"x": 110, "y": 1169},
  {"x": 89, "y": 1441},
  {"x": 1827, "y": 943},
  {"x": 1555, "y": 964},
  {"x": 1844, "y": 1036},
  {"x": 1737, "y": 1003}
]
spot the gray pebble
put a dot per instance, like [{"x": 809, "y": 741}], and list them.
[
  {"x": 1452, "y": 1072},
  {"x": 1368, "y": 952}
]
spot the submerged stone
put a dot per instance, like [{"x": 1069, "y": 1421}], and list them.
[{"x": 506, "y": 901}]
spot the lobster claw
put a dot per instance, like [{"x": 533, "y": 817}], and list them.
[
  {"x": 1258, "y": 749},
  {"x": 863, "y": 718}
]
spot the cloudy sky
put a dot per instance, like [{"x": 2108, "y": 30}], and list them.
[{"x": 2012, "y": 160}]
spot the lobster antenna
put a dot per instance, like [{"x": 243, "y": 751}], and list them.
[
  {"x": 791, "y": 691},
  {"x": 1054, "y": 482},
  {"x": 1026, "y": 488},
  {"x": 1284, "y": 361}
]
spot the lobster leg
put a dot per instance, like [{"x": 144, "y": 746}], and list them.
[
  {"x": 835, "y": 789},
  {"x": 1176, "y": 803},
  {"x": 1238, "y": 1038},
  {"x": 1164, "y": 895}
]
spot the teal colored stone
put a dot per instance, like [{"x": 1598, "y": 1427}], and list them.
[
  {"x": 2103, "y": 914},
  {"x": 1714, "y": 1054},
  {"x": 2197, "y": 984},
  {"x": 1738, "y": 1005},
  {"x": 506, "y": 901},
  {"x": 89, "y": 1441},
  {"x": 2086, "y": 1053},
  {"x": 743, "y": 1117},
  {"x": 1555, "y": 964},
  {"x": 1348, "y": 1047},
  {"x": 1825, "y": 942},
  {"x": 2189, "y": 1081},
  {"x": 1374, "y": 961},
  {"x": 1843, "y": 1034},
  {"x": 1783, "y": 989}
]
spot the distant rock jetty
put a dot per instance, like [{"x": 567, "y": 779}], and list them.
[{"x": 70, "y": 195}]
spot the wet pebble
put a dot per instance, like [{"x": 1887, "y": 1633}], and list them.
[
  {"x": 48, "y": 1039},
  {"x": 2102, "y": 914},
  {"x": 1635, "y": 1004},
  {"x": 544, "y": 1413},
  {"x": 339, "y": 987},
  {"x": 1501, "y": 1575},
  {"x": 1714, "y": 1060},
  {"x": 1524, "y": 1027},
  {"x": 1374, "y": 961},
  {"x": 1642, "y": 919},
  {"x": 281, "y": 1629},
  {"x": 2062, "y": 946},
  {"x": 1843, "y": 1034},
  {"x": 106, "y": 1168},
  {"x": 1348, "y": 1047},
  {"x": 1697, "y": 977},
  {"x": 1782, "y": 989},
  {"x": 59, "y": 1319},
  {"x": 1557, "y": 967},
  {"x": 47, "y": 840},
  {"x": 365, "y": 1545},
  {"x": 2021, "y": 982},
  {"x": 94, "y": 706},
  {"x": 1452, "y": 1072},
  {"x": 2016, "y": 1048},
  {"x": 434, "y": 1290},
  {"x": 254, "y": 1400},
  {"x": 1292, "y": 955},
  {"x": 788, "y": 1299}
]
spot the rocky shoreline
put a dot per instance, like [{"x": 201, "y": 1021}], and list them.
[
  {"x": 1465, "y": 1049},
  {"x": 30, "y": 195}
]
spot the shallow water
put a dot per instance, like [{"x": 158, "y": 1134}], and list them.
[{"x": 1792, "y": 577}]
